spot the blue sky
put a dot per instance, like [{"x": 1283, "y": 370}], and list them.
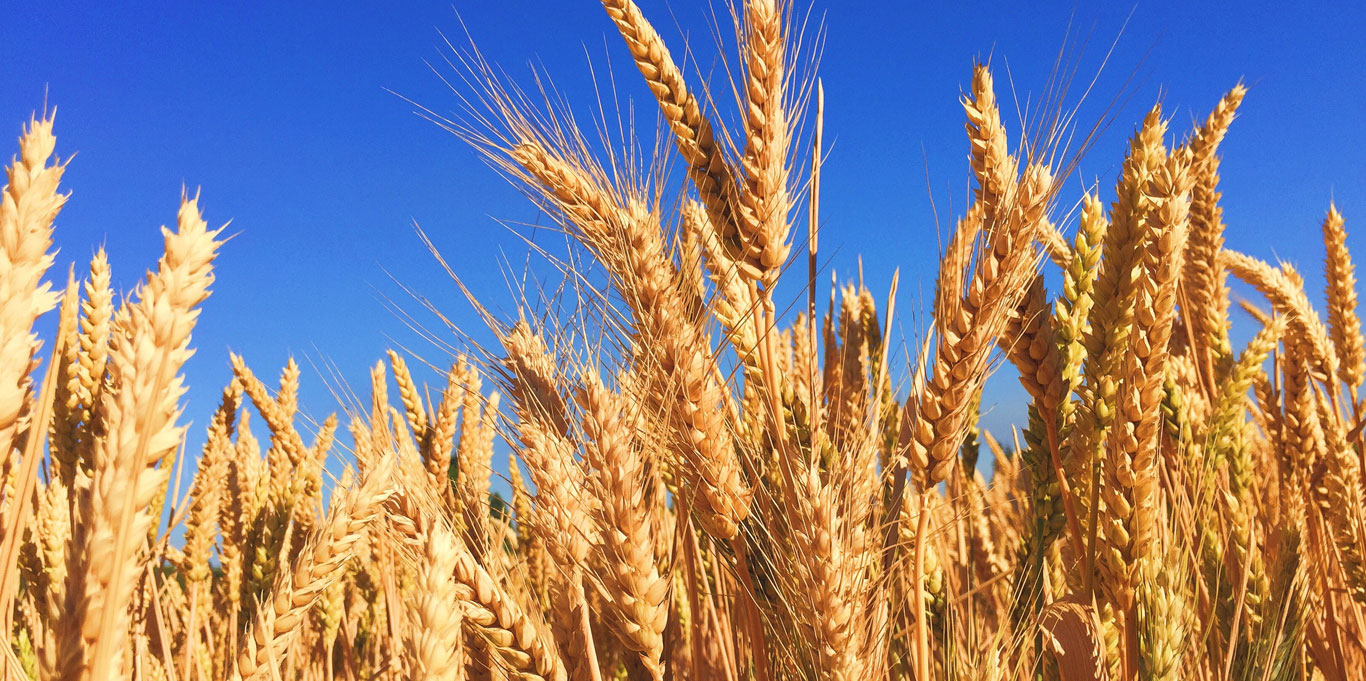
[{"x": 286, "y": 117}]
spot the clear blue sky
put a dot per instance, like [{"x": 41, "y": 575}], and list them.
[{"x": 283, "y": 114}]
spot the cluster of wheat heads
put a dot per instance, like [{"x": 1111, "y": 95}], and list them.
[{"x": 715, "y": 492}]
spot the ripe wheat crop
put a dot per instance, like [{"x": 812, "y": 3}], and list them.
[{"x": 708, "y": 482}]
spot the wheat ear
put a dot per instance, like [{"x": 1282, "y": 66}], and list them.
[
  {"x": 319, "y": 565},
  {"x": 707, "y": 166},
  {"x": 147, "y": 351},
  {"x": 622, "y": 480},
  {"x": 28, "y": 205},
  {"x": 967, "y": 333},
  {"x": 494, "y": 615},
  {"x": 201, "y": 528},
  {"x": 1343, "y": 321},
  {"x": 1283, "y": 289},
  {"x": 1111, "y": 319},
  {"x": 435, "y": 647},
  {"x": 1131, "y": 491},
  {"x": 97, "y": 314},
  {"x": 1204, "y": 282},
  {"x": 561, "y": 486},
  {"x": 1011, "y": 213},
  {"x": 765, "y": 232}
]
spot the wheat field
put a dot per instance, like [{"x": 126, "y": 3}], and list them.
[{"x": 709, "y": 481}]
